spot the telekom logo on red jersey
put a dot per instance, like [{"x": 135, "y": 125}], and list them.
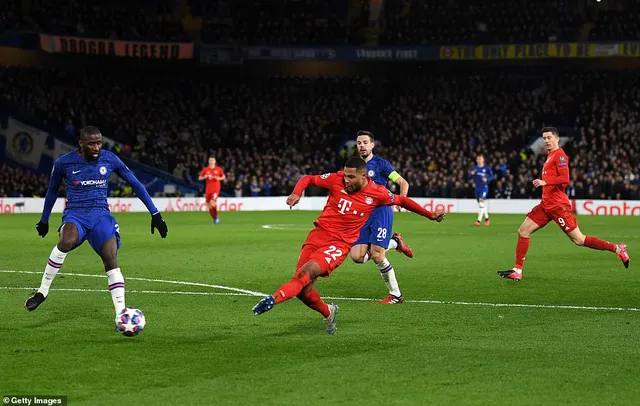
[{"x": 344, "y": 206}]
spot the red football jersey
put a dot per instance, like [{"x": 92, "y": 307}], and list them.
[
  {"x": 556, "y": 174},
  {"x": 345, "y": 214},
  {"x": 213, "y": 185}
]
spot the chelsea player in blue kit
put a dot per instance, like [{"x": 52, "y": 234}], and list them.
[
  {"x": 86, "y": 216},
  {"x": 375, "y": 237},
  {"x": 482, "y": 175}
]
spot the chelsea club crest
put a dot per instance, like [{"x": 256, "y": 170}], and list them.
[
  {"x": 371, "y": 173},
  {"x": 103, "y": 170}
]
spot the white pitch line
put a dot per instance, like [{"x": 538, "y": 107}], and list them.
[
  {"x": 131, "y": 291},
  {"x": 244, "y": 292},
  {"x": 206, "y": 285}
]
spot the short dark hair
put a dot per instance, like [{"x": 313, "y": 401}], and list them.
[
  {"x": 356, "y": 162},
  {"x": 89, "y": 130},
  {"x": 551, "y": 130},
  {"x": 367, "y": 133}
]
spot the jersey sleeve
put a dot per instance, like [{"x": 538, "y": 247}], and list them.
[
  {"x": 324, "y": 181},
  {"x": 125, "y": 173},
  {"x": 562, "y": 166},
  {"x": 203, "y": 172},
  {"x": 490, "y": 175},
  {"x": 52, "y": 191}
]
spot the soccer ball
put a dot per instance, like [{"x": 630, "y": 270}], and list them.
[{"x": 130, "y": 322}]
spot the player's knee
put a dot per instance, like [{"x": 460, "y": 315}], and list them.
[
  {"x": 578, "y": 240},
  {"x": 523, "y": 233},
  {"x": 357, "y": 258},
  {"x": 66, "y": 244},
  {"x": 378, "y": 256}
]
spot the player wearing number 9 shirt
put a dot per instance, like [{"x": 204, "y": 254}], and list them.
[
  {"x": 555, "y": 206},
  {"x": 352, "y": 198}
]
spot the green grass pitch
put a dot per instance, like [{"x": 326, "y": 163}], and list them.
[{"x": 204, "y": 346}]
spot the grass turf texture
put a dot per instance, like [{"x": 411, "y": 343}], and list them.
[{"x": 212, "y": 349}]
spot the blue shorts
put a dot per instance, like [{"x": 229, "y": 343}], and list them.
[
  {"x": 482, "y": 194},
  {"x": 96, "y": 226},
  {"x": 377, "y": 229}
]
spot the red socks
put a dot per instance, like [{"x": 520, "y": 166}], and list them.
[
  {"x": 598, "y": 244},
  {"x": 214, "y": 212},
  {"x": 313, "y": 300},
  {"x": 292, "y": 288},
  {"x": 521, "y": 251}
]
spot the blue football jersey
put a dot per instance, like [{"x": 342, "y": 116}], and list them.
[
  {"x": 87, "y": 182},
  {"x": 378, "y": 170},
  {"x": 482, "y": 172}
]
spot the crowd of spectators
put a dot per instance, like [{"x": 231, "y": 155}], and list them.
[
  {"x": 267, "y": 132},
  {"x": 277, "y": 22},
  {"x": 19, "y": 182},
  {"x": 141, "y": 20},
  {"x": 330, "y": 22},
  {"x": 496, "y": 21}
]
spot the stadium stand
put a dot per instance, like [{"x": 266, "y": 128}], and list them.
[{"x": 267, "y": 132}]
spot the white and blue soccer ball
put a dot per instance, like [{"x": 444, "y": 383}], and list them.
[{"x": 130, "y": 321}]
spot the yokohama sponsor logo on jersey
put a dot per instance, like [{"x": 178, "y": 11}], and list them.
[{"x": 93, "y": 182}]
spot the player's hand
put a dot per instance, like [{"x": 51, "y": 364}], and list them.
[
  {"x": 158, "y": 222},
  {"x": 42, "y": 228},
  {"x": 539, "y": 182},
  {"x": 292, "y": 200},
  {"x": 473, "y": 173},
  {"x": 438, "y": 216},
  {"x": 484, "y": 180}
]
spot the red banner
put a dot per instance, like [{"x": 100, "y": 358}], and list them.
[{"x": 107, "y": 47}]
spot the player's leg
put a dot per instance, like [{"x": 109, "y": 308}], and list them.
[
  {"x": 71, "y": 234},
  {"x": 569, "y": 224},
  {"x": 397, "y": 243},
  {"x": 480, "y": 209},
  {"x": 214, "y": 209},
  {"x": 310, "y": 297},
  {"x": 211, "y": 204},
  {"x": 115, "y": 280},
  {"x": 535, "y": 220},
  {"x": 382, "y": 221},
  {"x": 485, "y": 208},
  {"x": 319, "y": 257},
  {"x": 360, "y": 252},
  {"x": 303, "y": 277},
  {"x": 104, "y": 238}
]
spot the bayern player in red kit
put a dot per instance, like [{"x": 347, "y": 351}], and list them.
[
  {"x": 214, "y": 175},
  {"x": 555, "y": 206},
  {"x": 352, "y": 198}
]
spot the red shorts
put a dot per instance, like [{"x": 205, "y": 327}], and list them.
[
  {"x": 211, "y": 196},
  {"x": 326, "y": 249},
  {"x": 562, "y": 215}
]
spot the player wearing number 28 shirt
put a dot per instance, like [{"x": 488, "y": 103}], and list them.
[
  {"x": 352, "y": 198},
  {"x": 555, "y": 206}
]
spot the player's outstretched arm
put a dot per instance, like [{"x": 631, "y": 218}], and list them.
[
  {"x": 414, "y": 207},
  {"x": 50, "y": 199},
  {"x": 323, "y": 181},
  {"x": 157, "y": 222}
]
